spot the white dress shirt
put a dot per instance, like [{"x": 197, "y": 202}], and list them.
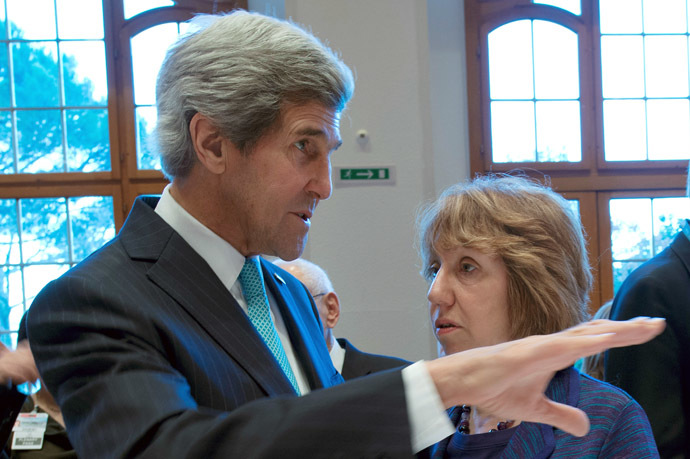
[
  {"x": 337, "y": 354},
  {"x": 429, "y": 422}
]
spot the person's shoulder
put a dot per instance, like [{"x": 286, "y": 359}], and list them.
[
  {"x": 388, "y": 361},
  {"x": 602, "y": 395}
]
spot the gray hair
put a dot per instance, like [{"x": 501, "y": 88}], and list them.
[
  {"x": 311, "y": 275},
  {"x": 239, "y": 70}
]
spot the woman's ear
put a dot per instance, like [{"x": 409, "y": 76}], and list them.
[{"x": 209, "y": 144}]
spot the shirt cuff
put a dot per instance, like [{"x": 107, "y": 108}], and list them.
[{"x": 429, "y": 422}]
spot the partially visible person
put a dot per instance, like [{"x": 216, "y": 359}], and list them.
[
  {"x": 16, "y": 367},
  {"x": 55, "y": 443},
  {"x": 505, "y": 258},
  {"x": 347, "y": 359},
  {"x": 658, "y": 373},
  {"x": 593, "y": 365}
]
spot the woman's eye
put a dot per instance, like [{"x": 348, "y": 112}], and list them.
[{"x": 467, "y": 267}]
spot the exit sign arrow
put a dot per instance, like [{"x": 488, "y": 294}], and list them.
[{"x": 371, "y": 175}]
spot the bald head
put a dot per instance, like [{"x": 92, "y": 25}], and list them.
[{"x": 319, "y": 285}]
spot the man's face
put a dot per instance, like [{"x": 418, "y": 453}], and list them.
[{"x": 270, "y": 195}]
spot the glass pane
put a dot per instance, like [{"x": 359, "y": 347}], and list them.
[
  {"x": 9, "y": 232},
  {"x": 669, "y": 214},
  {"x": 556, "y": 71},
  {"x": 622, "y": 67},
  {"x": 80, "y": 19},
  {"x": 666, "y": 66},
  {"x": 7, "y": 164},
  {"x": 134, "y": 7},
  {"x": 88, "y": 140},
  {"x": 3, "y": 24},
  {"x": 83, "y": 68},
  {"x": 668, "y": 122},
  {"x": 27, "y": 23},
  {"x": 620, "y": 16},
  {"x": 631, "y": 228},
  {"x": 11, "y": 297},
  {"x": 44, "y": 230},
  {"x": 146, "y": 119},
  {"x": 4, "y": 77},
  {"x": 91, "y": 222},
  {"x": 625, "y": 132},
  {"x": 148, "y": 51},
  {"x": 667, "y": 16},
  {"x": 37, "y": 276},
  {"x": 510, "y": 61},
  {"x": 35, "y": 66},
  {"x": 39, "y": 141},
  {"x": 569, "y": 5},
  {"x": 558, "y": 131},
  {"x": 621, "y": 270},
  {"x": 512, "y": 131}
]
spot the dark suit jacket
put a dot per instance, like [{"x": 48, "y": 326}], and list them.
[
  {"x": 657, "y": 373},
  {"x": 148, "y": 354},
  {"x": 358, "y": 363}
]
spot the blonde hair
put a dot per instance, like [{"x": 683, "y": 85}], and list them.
[{"x": 536, "y": 234}]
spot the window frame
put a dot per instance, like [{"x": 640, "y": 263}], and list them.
[{"x": 124, "y": 182}]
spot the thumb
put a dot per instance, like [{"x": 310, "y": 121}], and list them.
[{"x": 564, "y": 417}]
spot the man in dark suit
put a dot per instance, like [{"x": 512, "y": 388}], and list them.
[
  {"x": 176, "y": 339},
  {"x": 347, "y": 359},
  {"x": 657, "y": 374}
]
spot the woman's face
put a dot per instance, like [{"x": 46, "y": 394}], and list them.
[{"x": 468, "y": 299}]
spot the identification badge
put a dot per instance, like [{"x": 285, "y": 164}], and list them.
[{"x": 29, "y": 430}]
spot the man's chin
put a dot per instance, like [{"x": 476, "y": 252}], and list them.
[{"x": 293, "y": 252}]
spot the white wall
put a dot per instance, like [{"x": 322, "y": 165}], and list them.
[{"x": 408, "y": 57}]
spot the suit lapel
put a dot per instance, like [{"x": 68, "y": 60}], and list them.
[
  {"x": 304, "y": 332},
  {"x": 198, "y": 290}
]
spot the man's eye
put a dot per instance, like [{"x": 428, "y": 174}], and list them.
[{"x": 301, "y": 145}]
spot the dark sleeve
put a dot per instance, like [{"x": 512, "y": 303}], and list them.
[
  {"x": 123, "y": 394},
  {"x": 655, "y": 373}
]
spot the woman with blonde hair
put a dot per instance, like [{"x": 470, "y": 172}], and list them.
[{"x": 505, "y": 258}]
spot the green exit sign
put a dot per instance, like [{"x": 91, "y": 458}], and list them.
[
  {"x": 365, "y": 174},
  {"x": 373, "y": 175}
]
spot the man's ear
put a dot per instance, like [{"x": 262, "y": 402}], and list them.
[
  {"x": 332, "y": 303},
  {"x": 209, "y": 144}
]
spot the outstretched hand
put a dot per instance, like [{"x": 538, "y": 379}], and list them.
[
  {"x": 509, "y": 379},
  {"x": 17, "y": 366}
]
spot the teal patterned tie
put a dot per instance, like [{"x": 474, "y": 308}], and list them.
[{"x": 252, "y": 282}]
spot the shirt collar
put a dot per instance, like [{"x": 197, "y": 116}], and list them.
[
  {"x": 225, "y": 261},
  {"x": 337, "y": 356},
  {"x": 686, "y": 229}
]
